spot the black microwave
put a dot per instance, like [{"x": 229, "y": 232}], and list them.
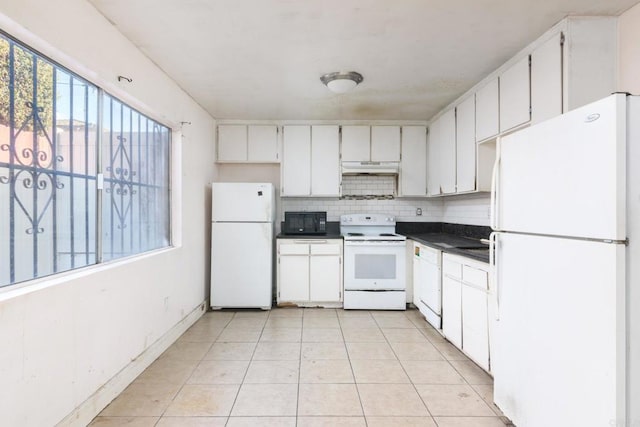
[{"x": 305, "y": 223}]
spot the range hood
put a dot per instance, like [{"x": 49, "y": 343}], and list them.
[{"x": 370, "y": 168}]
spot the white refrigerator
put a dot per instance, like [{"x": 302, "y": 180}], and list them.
[
  {"x": 566, "y": 213},
  {"x": 242, "y": 216}
]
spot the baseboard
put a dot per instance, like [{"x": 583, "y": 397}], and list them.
[{"x": 87, "y": 410}]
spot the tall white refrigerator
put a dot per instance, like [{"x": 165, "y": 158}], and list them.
[
  {"x": 566, "y": 210},
  {"x": 242, "y": 216}
]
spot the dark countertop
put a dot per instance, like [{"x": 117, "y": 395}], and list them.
[
  {"x": 333, "y": 232},
  {"x": 310, "y": 236},
  {"x": 451, "y": 238}
]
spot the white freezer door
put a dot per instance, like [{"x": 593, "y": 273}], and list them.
[
  {"x": 241, "y": 265},
  {"x": 558, "y": 355},
  {"x": 565, "y": 176},
  {"x": 242, "y": 202}
]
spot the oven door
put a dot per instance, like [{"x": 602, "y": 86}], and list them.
[{"x": 374, "y": 265}]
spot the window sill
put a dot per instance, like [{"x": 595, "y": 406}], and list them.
[{"x": 24, "y": 288}]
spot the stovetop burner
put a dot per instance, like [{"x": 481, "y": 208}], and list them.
[{"x": 369, "y": 227}]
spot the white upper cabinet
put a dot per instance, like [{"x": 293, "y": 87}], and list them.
[
  {"x": 370, "y": 143},
  {"x": 546, "y": 80},
  {"x": 433, "y": 159},
  {"x": 356, "y": 143},
  {"x": 325, "y": 161},
  {"x": 487, "y": 111},
  {"x": 447, "y": 152},
  {"x": 515, "y": 101},
  {"x": 296, "y": 166},
  {"x": 232, "y": 143},
  {"x": 262, "y": 144},
  {"x": 385, "y": 143},
  {"x": 466, "y": 145},
  {"x": 413, "y": 163},
  {"x": 311, "y": 161},
  {"x": 247, "y": 144}
]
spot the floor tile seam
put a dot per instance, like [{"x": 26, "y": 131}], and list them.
[
  {"x": 474, "y": 392},
  {"x": 410, "y": 382},
  {"x": 235, "y": 399},
  {"x": 491, "y": 404},
  {"x": 353, "y": 374},
  {"x": 465, "y": 378}
]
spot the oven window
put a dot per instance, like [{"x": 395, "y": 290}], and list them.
[{"x": 375, "y": 266}]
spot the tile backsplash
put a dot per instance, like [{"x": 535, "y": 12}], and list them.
[
  {"x": 368, "y": 185},
  {"x": 469, "y": 209},
  {"x": 402, "y": 209}
]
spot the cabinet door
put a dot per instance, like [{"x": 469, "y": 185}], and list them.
[
  {"x": 296, "y": 163},
  {"x": 325, "y": 161},
  {"x": 546, "y": 80},
  {"x": 487, "y": 116},
  {"x": 413, "y": 163},
  {"x": 433, "y": 159},
  {"x": 447, "y": 151},
  {"x": 466, "y": 145},
  {"x": 356, "y": 143},
  {"x": 515, "y": 101},
  {"x": 475, "y": 327},
  {"x": 262, "y": 143},
  {"x": 452, "y": 310},
  {"x": 232, "y": 143},
  {"x": 293, "y": 279},
  {"x": 418, "y": 276},
  {"x": 385, "y": 143},
  {"x": 325, "y": 274}
]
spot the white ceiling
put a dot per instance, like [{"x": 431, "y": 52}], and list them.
[{"x": 262, "y": 59}]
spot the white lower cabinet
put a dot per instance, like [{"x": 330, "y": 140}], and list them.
[
  {"x": 465, "y": 310},
  {"x": 309, "y": 272},
  {"x": 451, "y": 302}
]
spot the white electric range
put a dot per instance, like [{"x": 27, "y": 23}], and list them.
[{"x": 374, "y": 262}]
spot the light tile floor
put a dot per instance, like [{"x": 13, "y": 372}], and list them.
[{"x": 308, "y": 367}]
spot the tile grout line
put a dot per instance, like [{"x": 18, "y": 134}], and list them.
[
  {"x": 235, "y": 400},
  {"x": 355, "y": 382},
  {"x": 192, "y": 371},
  {"x": 405, "y": 372}
]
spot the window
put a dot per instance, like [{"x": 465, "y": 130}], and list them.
[
  {"x": 60, "y": 134},
  {"x": 135, "y": 200}
]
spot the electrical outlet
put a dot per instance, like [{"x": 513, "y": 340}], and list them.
[{"x": 418, "y": 211}]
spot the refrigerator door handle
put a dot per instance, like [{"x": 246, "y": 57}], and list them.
[
  {"x": 493, "y": 263},
  {"x": 494, "y": 189}
]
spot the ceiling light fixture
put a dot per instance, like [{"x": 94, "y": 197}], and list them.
[{"x": 341, "y": 81}]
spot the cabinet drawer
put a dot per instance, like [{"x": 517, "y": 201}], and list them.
[
  {"x": 428, "y": 254},
  {"x": 325, "y": 249},
  {"x": 452, "y": 269},
  {"x": 295, "y": 249},
  {"x": 475, "y": 277}
]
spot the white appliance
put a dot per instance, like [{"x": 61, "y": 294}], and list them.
[
  {"x": 374, "y": 262},
  {"x": 242, "y": 217},
  {"x": 566, "y": 197},
  {"x": 427, "y": 279}
]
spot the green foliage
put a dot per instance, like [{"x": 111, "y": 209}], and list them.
[{"x": 23, "y": 88}]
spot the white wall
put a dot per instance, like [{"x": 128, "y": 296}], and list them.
[
  {"x": 63, "y": 339},
  {"x": 629, "y": 51},
  {"x": 472, "y": 209}
]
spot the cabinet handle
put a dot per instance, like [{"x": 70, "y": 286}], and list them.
[
  {"x": 493, "y": 277},
  {"x": 310, "y": 241},
  {"x": 495, "y": 182}
]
